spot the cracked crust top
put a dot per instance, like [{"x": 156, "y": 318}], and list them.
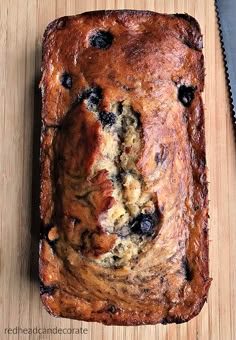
[{"x": 124, "y": 204}]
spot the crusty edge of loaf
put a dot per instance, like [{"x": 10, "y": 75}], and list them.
[{"x": 47, "y": 299}]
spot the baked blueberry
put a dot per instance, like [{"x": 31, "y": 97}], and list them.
[
  {"x": 186, "y": 95},
  {"x": 112, "y": 309},
  {"x": 93, "y": 99},
  {"x": 93, "y": 96},
  {"x": 95, "y": 91},
  {"x": 143, "y": 224},
  {"x": 101, "y": 39},
  {"x": 107, "y": 118},
  {"x": 46, "y": 289},
  {"x": 66, "y": 80}
]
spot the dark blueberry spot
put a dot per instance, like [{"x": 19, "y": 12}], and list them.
[
  {"x": 66, "y": 80},
  {"x": 93, "y": 96},
  {"x": 93, "y": 92},
  {"x": 112, "y": 309},
  {"x": 196, "y": 207},
  {"x": 93, "y": 99},
  {"x": 186, "y": 95},
  {"x": 178, "y": 320},
  {"x": 164, "y": 321},
  {"x": 143, "y": 224},
  {"x": 107, "y": 118},
  {"x": 101, "y": 39},
  {"x": 187, "y": 269},
  {"x": 46, "y": 289}
]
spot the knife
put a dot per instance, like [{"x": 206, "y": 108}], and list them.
[{"x": 226, "y": 13}]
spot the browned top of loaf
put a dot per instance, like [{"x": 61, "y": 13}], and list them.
[{"x": 151, "y": 56}]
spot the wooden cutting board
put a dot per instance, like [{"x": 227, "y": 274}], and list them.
[{"x": 22, "y": 24}]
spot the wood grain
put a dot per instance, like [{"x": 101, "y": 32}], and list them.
[{"x": 21, "y": 27}]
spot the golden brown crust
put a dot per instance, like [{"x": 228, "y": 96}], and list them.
[{"x": 151, "y": 56}]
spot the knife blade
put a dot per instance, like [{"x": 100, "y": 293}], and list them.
[{"x": 226, "y": 13}]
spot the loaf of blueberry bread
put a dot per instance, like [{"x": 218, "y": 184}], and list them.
[{"x": 124, "y": 199}]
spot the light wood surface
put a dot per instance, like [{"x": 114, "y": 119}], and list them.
[{"x": 21, "y": 27}]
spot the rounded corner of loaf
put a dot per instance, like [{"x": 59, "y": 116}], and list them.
[{"x": 193, "y": 21}]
